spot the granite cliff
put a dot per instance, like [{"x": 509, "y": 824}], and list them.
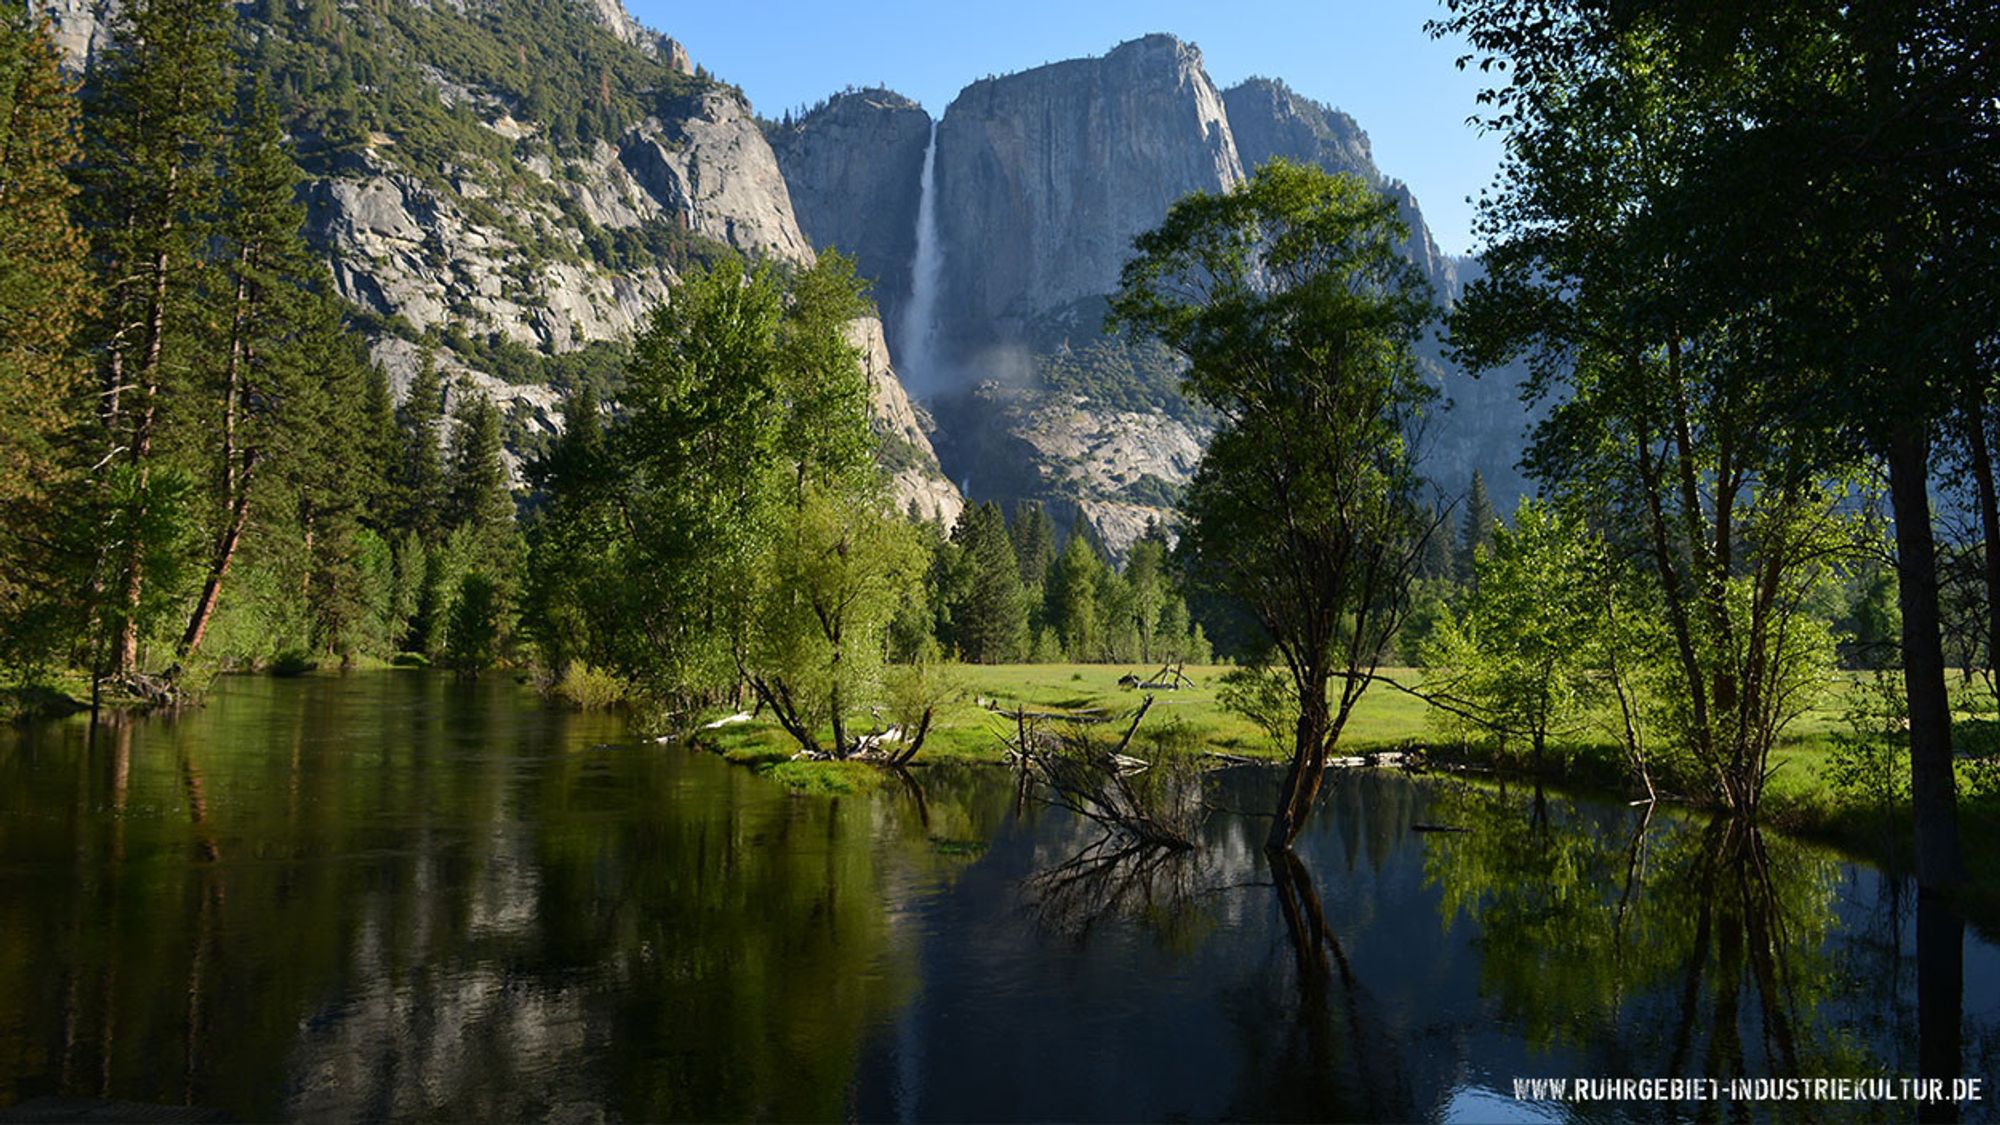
[{"x": 1042, "y": 179}]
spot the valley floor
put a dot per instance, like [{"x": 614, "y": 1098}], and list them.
[{"x": 1800, "y": 797}]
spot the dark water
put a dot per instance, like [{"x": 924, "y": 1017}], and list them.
[{"x": 396, "y": 896}]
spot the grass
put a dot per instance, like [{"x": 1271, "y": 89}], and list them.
[
  {"x": 48, "y": 696},
  {"x": 970, "y": 728}
]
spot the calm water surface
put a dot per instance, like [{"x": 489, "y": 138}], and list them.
[{"x": 392, "y": 895}]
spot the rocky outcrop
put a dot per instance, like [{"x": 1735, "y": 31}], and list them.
[
  {"x": 1270, "y": 119},
  {"x": 82, "y": 27},
  {"x": 1045, "y": 176},
  {"x": 710, "y": 168},
  {"x": 903, "y": 433},
  {"x": 403, "y": 245},
  {"x": 1042, "y": 179},
  {"x": 529, "y": 408},
  {"x": 852, "y": 166}
]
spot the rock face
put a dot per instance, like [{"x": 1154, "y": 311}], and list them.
[
  {"x": 1045, "y": 176},
  {"x": 710, "y": 167},
  {"x": 1271, "y": 120},
  {"x": 853, "y": 166},
  {"x": 1042, "y": 180},
  {"x": 903, "y": 432},
  {"x": 401, "y": 247},
  {"x": 81, "y": 27}
]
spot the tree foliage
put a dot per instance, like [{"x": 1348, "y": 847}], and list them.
[{"x": 1296, "y": 316}]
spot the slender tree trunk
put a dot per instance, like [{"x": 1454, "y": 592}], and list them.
[
  {"x": 1989, "y": 526},
  {"x": 1308, "y": 769},
  {"x": 218, "y": 569},
  {"x": 1933, "y": 785}
]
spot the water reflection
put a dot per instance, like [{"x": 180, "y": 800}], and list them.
[{"x": 398, "y": 896}]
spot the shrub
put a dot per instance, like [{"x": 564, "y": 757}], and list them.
[{"x": 589, "y": 688}]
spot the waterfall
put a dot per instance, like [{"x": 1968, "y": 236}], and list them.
[{"x": 920, "y": 315}]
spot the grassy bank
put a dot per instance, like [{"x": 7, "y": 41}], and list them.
[
  {"x": 1799, "y": 798},
  {"x": 44, "y": 697}
]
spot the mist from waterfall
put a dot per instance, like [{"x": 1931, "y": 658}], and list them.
[{"x": 919, "y": 361}]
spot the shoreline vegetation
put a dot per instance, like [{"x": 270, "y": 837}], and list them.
[{"x": 1803, "y": 797}]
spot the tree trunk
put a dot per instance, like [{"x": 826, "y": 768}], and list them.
[
  {"x": 218, "y": 569},
  {"x": 1989, "y": 526},
  {"x": 1933, "y": 785},
  {"x": 1308, "y": 769}
]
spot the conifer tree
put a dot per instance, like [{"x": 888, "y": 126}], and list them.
[
  {"x": 329, "y": 473},
  {"x": 480, "y": 501},
  {"x": 383, "y": 457},
  {"x": 44, "y": 297},
  {"x": 421, "y": 422},
  {"x": 1034, "y": 537},
  {"x": 990, "y": 619},
  {"x": 1476, "y": 531},
  {"x": 155, "y": 138},
  {"x": 278, "y": 349}
]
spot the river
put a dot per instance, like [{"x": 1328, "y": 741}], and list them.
[{"x": 398, "y": 895}]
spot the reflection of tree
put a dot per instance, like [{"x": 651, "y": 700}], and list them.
[
  {"x": 1317, "y": 1045},
  {"x": 1113, "y": 877},
  {"x": 1654, "y": 944},
  {"x": 442, "y": 901}
]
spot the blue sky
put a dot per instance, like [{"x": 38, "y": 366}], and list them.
[{"x": 1371, "y": 59}]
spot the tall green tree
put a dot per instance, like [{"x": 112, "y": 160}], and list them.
[
  {"x": 1476, "y": 530},
  {"x": 1296, "y": 315},
  {"x": 263, "y": 402},
  {"x": 1151, "y": 586},
  {"x": 156, "y": 127},
  {"x": 1519, "y": 656},
  {"x": 830, "y": 588},
  {"x": 421, "y": 421},
  {"x": 700, "y": 444},
  {"x": 478, "y": 498},
  {"x": 383, "y": 456},
  {"x": 45, "y": 299},
  {"x": 988, "y": 606},
  {"x": 1034, "y": 535},
  {"x": 1669, "y": 411},
  {"x": 1072, "y": 595}
]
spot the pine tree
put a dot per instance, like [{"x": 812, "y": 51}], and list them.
[
  {"x": 44, "y": 297},
  {"x": 331, "y": 477},
  {"x": 1034, "y": 537},
  {"x": 1476, "y": 531},
  {"x": 990, "y": 621},
  {"x": 384, "y": 456},
  {"x": 480, "y": 501},
  {"x": 155, "y": 139},
  {"x": 278, "y": 347},
  {"x": 421, "y": 422}
]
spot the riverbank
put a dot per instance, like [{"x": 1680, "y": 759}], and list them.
[
  {"x": 1800, "y": 797},
  {"x": 28, "y": 701}
]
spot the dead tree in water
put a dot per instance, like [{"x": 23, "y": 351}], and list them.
[{"x": 1105, "y": 784}]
